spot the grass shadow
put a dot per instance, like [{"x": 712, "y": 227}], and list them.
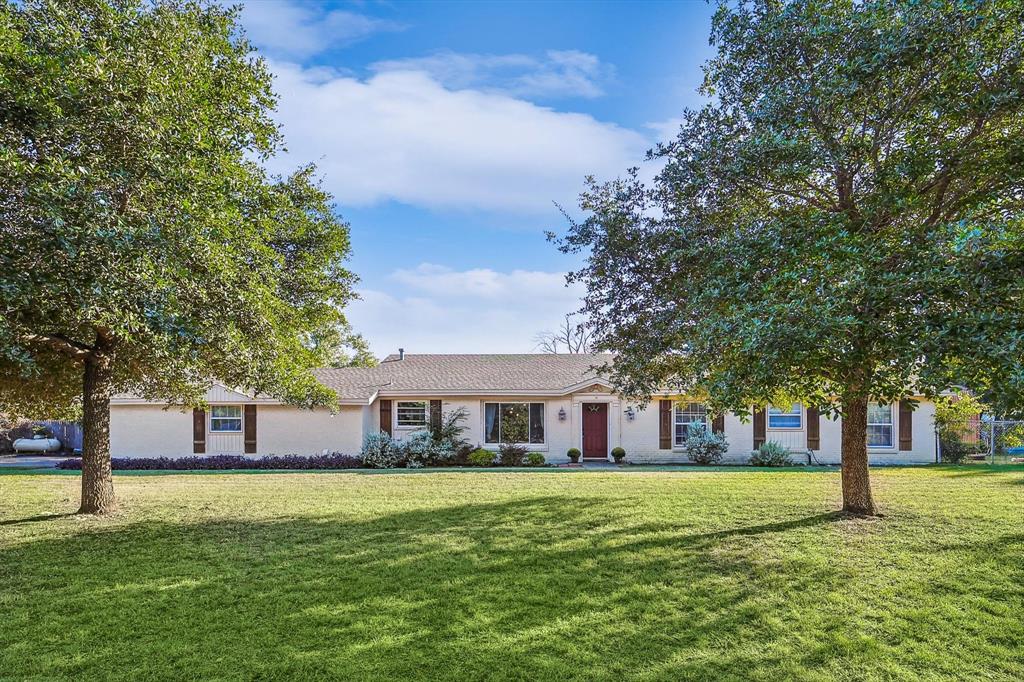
[
  {"x": 35, "y": 519},
  {"x": 535, "y": 588}
]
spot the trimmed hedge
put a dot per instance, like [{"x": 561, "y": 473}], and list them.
[{"x": 334, "y": 460}]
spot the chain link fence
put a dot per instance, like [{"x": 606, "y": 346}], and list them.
[{"x": 983, "y": 438}]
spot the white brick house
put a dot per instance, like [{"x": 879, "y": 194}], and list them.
[{"x": 565, "y": 403}]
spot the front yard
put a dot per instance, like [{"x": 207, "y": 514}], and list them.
[{"x": 515, "y": 575}]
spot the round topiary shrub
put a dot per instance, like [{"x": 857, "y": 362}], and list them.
[
  {"x": 770, "y": 454},
  {"x": 535, "y": 459},
  {"x": 618, "y": 454},
  {"x": 574, "y": 454},
  {"x": 481, "y": 457}
]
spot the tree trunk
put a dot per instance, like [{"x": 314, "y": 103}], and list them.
[
  {"x": 856, "y": 483},
  {"x": 97, "y": 482}
]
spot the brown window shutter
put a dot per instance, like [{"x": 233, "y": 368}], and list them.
[
  {"x": 759, "y": 428},
  {"x": 385, "y": 416},
  {"x": 665, "y": 424},
  {"x": 906, "y": 425},
  {"x": 249, "y": 425},
  {"x": 718, "y": 424},
  {"x": 813, "y": 429},
  {"x": 198, "y": 431},
  {"x": 435, "y": 416}
]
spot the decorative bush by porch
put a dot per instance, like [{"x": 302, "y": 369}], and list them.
[
  {"x": 535, "y": 459},
  {"x": 481, "y": 457},
  {"x": 334, "y": 460},
  {"x": 618, "y": 454}
]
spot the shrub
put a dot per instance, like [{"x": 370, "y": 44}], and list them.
[
  {"x": 770, "y": 454},
  {"x": 574, "y": 454},
  {"x": 705, "y": 447},
  {"x": 618, "y": 454},
  {"x": 334, "y": 460},
  {"x": 481, "y": 458},
  {"x": 511, "y": 455},
  {"x": 954, "y": 450},
  {"x": 535, "y": 459},
  {"x": 461, "y": 456},
  {"x": 449, "y": 438},
  {"x": 13, "y": 429},
  {"x": 420, "y": 449},
  {"x": 380, "y": 451}
]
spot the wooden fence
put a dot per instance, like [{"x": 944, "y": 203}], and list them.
[{"x": 68, "y": 433}]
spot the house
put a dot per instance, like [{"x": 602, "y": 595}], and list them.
[{"x": 554, "y": 402}]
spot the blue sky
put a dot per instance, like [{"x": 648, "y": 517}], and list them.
[{"x": 447, "y": 132}]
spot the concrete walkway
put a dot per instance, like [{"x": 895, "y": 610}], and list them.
[{"x": 30, "y": 461}]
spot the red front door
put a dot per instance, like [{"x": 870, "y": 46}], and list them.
[{"x": 595, "y": 430}]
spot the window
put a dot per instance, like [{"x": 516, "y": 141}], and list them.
[
  {"x": 689, "y": 418},
  {"x": 412, "y": 413},
  {"x": 791, "y": 418},
  {"x": 226, "y": 419},
  {"x": 514, "y": 423},
  {"x": 879, "y": 426}
]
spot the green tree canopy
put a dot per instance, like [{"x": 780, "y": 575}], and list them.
[
  {"x": 144, "y": 248},
  {"x": 841, "y": 223}
]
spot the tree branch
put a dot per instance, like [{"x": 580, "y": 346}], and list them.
[{"x": 62, "y": 344}]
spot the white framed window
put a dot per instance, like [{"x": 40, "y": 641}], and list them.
[
  {"x": 412, "y": 413},
  {"x": 226, "y": 419},
  {"x": 688, "y": 418},
  {"x": 880, "y": 431},
  {"x": 791, "y": 418},
  {"x": 514, "y": 423}
]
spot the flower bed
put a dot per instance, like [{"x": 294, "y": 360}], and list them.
[{"x": 334, "y": 460}]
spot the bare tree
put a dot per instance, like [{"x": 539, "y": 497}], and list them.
[{"x": 570, "y": 337}]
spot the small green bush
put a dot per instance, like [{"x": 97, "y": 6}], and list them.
[
  {"x": 618, "y": 454},
  {"x": 574, "y": 454},
  {"x": 481, "y": 458},
  {"x": 535, "y": 459},
  {"x": 770, "y": 454}
]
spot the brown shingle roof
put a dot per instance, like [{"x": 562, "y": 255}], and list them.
[{"x": 469, "y": 374}]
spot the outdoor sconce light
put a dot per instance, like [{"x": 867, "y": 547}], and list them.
[
  {"x": 630, "y": 414},
  {"x": 561, "y": 414}
]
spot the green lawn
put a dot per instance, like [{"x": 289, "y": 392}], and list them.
[{"x": 486, "y": 575}]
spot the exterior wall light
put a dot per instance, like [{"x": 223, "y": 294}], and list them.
[
  {"x": 561, "y": 414},
  {"x": 630, "y": 413}
]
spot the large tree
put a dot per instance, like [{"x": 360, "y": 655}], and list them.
[
  {"x": 840, "y": 224},
  {"x": 144, "y": 248}
]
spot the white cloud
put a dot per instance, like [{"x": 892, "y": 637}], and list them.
[
  {"x": 441, "y": 310},
  {"x": 288, "y": 29},
  {"x": 403, "y": 136},
  {"x": 559, "y": 73},
  {"x": 667, "y": 130}
]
